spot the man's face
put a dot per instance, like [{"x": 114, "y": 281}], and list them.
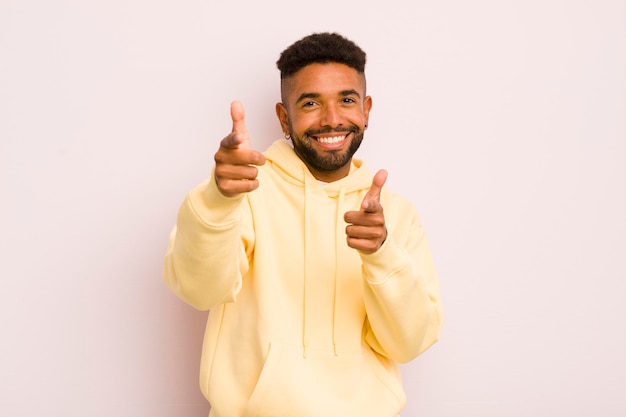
[{"x": 325, "y": 111}]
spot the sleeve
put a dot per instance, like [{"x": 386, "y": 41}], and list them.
[
  {"x": 402, "y": 295},
  {"x": 207, "y": 253}
]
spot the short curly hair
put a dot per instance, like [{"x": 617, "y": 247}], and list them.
[{"x": 320, "y": 48}]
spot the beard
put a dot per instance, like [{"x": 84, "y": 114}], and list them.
[{"x": 329, "y": 160}]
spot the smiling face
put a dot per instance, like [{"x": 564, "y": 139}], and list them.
[{"x": 325, "y": 111}]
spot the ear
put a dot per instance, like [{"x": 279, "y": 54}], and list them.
[
  {"x": 283, "y": 119},
  {"x": 367, "y": 106}
]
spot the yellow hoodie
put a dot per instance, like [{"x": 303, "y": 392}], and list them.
[{"x": 301, "y": 324}]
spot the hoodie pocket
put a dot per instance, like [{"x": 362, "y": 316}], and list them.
[{"x": 323, "y": 384}]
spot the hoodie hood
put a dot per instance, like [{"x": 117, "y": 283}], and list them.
[{"x": 283, "y": 157}]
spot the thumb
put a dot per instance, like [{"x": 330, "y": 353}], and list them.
[
  {"x": 371, "y": 201},
  {"x": 237, "y": 115}
]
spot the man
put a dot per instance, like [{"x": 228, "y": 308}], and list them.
[{"x": 316, "y": 292}]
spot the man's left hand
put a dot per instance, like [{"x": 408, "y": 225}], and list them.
[{"x": 366, "y": 229}]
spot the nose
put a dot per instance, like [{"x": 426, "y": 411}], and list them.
[{"x": 331, "y": 116}]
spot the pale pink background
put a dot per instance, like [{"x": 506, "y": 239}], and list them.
[{"x": 504, "y": 121}]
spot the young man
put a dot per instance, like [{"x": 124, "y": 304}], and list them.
[{"x": 316, "y": 292}]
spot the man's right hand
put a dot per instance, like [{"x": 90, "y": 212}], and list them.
[{"x": 235, "y": 170}]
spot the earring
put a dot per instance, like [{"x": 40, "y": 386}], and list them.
[{"x": 287, "y": 136}]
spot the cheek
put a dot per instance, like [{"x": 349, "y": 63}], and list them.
[
  {"x": 358, "y": 118},
  {"x": 301, "y": 123}
]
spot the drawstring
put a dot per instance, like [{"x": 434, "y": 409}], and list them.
[
  {"x": 307, "y": 257},
  {"x": 339, "y": 240}
]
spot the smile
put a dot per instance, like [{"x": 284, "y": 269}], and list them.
[{"x": 331, "y": 139}]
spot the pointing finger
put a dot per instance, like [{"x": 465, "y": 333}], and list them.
[
  {"x": 371, "y": 201},
  {"x": 237, "y": 114},
  {"x": 238, "y": 138}
]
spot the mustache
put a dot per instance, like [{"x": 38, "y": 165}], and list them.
[{"x": 329, "y": 129}]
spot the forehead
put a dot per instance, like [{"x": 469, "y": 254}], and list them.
[{"x": 323, "y": 79}]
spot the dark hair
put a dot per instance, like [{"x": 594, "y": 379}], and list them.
[{"x": 320, "y": 48}]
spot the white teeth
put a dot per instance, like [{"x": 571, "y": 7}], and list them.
[{"x": 333, "y": 139}]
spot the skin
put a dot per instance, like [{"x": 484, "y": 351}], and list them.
[
  {"x": 319, "y": 102},
  {"x": 323, "y": 101}
]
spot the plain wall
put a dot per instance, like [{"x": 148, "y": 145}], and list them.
[{"x": 503, "y": 121}]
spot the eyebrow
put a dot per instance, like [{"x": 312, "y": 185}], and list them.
[{"x": 343, "y": 93}]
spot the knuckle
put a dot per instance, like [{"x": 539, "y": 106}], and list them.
[
  {"x": 254, "y": 171},
  {"x": 223, "y": 185},
  {"x": 255, "y": 158},
  {"x": 227, "y": 142},
  {"x": 220, "y": 157}
]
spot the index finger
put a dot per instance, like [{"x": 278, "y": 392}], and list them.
[
  {"x": 237, "y": 114},
  {"x": 372, "y": 199}
]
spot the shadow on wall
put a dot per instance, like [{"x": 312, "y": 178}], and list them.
[{"x": 183, "y": 334}]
